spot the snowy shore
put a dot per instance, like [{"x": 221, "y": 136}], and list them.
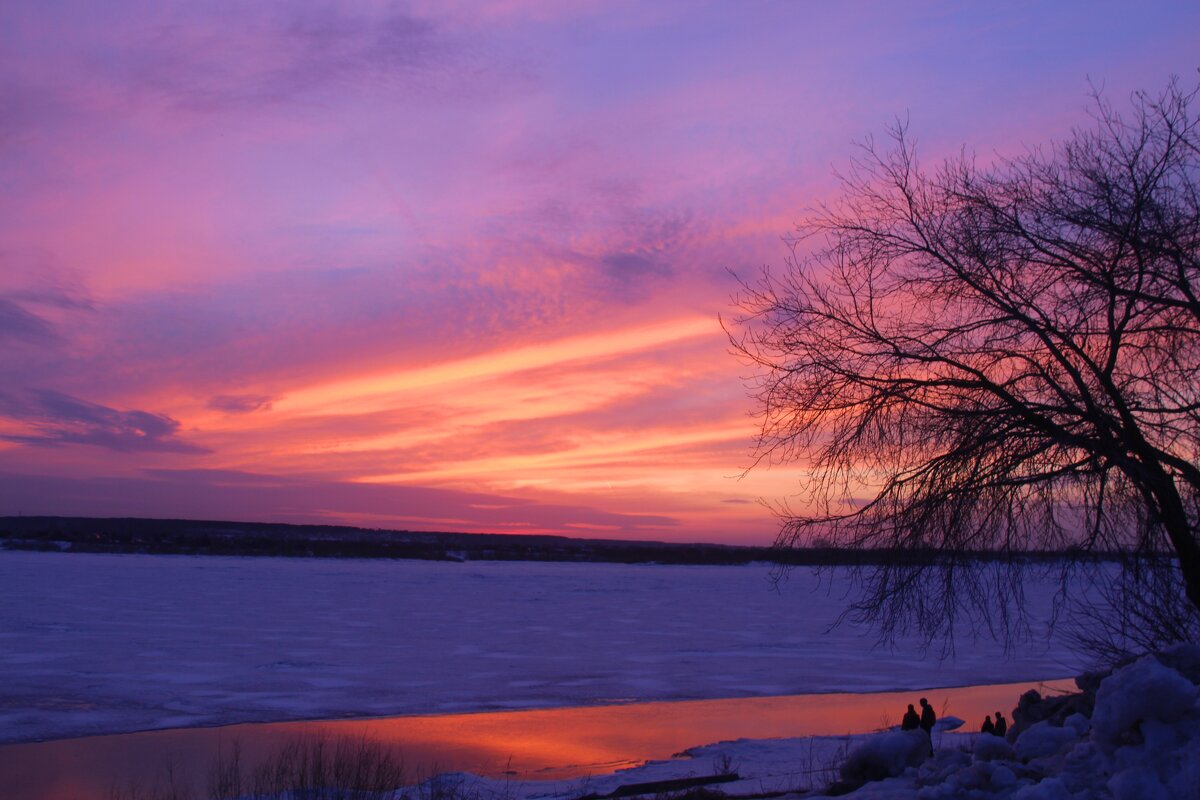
[{"x": 1139, "y": 740}]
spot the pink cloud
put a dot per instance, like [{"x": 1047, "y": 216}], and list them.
[{"x": 213, "y": 209}]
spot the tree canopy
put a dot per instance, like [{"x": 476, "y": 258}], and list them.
[{"x": 995, "y": 357}]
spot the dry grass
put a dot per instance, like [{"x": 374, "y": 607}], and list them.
[{"x": 308, "y": 768}]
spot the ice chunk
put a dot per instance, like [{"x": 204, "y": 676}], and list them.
[
  {"x": 1044, "y": 739},
  {"x": 943, "y": 762},
  {"x": 1137, "y": 783},
  {"x": 1079, "y": 722},
  {"x": 993, "y": 748},
  {"x": 1003, "y": 777},
  {"x": 1049, "y": 789},
  {"x": 1184, "y": 659},
  {"x": 1144, "y": 690},
  {"x": 1186, "y": 780}
]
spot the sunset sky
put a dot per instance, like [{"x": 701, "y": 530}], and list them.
[{"x": 455, "y": 265}]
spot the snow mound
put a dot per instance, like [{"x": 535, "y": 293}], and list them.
[
  {"x": 1044, "y": 740},
  {"x": 885, "y": 755},
  {"x": 1138, "y": 783},
  {"x": 1079, "y": 722},
  {"x": 993, "y": 748},
  {"x": 1184, "y": 659},
  {"x": 1142, "y": 691},
  {"x": 936, "y": 774},
  {"x": 1141, "y": 743},
  {"x": 1049, "y": 789},
  {"x": 980, "y": 777}
]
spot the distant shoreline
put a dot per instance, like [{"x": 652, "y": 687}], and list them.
[{"x": 274, "y": 539}]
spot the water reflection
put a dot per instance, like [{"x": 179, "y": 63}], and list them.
[{"x": 551, "y": 744}]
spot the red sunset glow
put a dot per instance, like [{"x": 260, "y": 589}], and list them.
[{"x": 456, "y": 266}]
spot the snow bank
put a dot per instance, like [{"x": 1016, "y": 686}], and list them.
[
  {"x": 885, "y": 755},
  {"x": 1049, "y": 789},
  {"x": 1043, "y": 740},
  {"x": 1142, "y": 743},
  {"x": 993, "y": 748},
  {"x": 1145, "y": 690}
]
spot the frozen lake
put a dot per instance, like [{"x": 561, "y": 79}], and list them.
[{"x": 93, "y": 644}]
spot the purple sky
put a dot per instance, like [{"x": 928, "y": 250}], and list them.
[{"x": 451, "y": 265}]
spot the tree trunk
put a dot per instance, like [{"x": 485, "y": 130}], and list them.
[{"x": 1180, "y": 533}]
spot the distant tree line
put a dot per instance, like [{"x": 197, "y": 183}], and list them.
[{"x": 190, "y": 537}]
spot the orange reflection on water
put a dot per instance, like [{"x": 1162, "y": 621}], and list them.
[
  {"x": 548, "y": 744},
  {"x": 573, "y": 742}
]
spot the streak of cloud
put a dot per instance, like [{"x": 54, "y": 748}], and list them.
[
  {"x": 275, "y": 58},
  {"x": 380, "y": 389},
  {"x": 54, "y": 419},
  {"x": 18, "y": 323},
  {"x": 241, "y": 403}
]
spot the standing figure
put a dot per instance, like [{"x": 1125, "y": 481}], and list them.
[
  {"x": 928, "y": 718},
  {"x": 1001, "y": 725},
  {"x": 911, "y": 720},
  {"x": 988, "y": 727}
]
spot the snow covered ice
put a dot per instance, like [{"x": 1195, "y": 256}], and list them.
[
  {"x": 105, "y": 643},
  {"x": 102, "y": 643}
]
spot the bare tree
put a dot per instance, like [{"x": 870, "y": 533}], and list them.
[{"x": 993, "y": 360}]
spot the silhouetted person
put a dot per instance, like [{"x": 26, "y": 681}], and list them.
[
  {"x": 911, "y": 721},
  {"x": 1001, "y": 725},
  {"x": 988, "y": 726},
  {"x": 928, "y": 718}
]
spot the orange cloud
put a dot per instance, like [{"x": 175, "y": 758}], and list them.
[{"x": 383, "y": 390}]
